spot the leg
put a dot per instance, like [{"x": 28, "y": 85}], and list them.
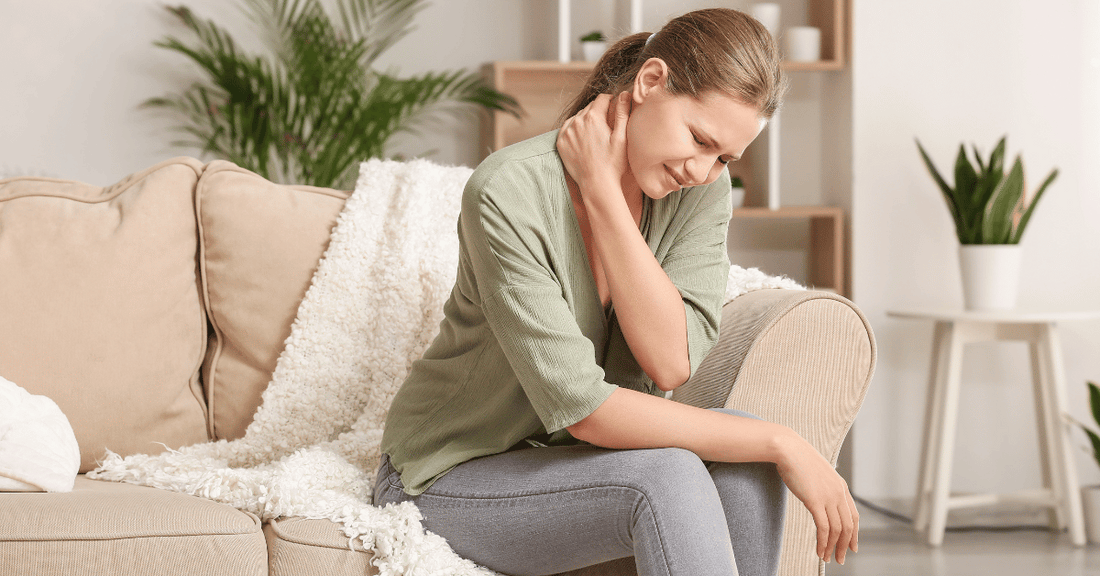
[
  {"x": 944, "y": 450},
  {"x": 932, "y": 425},
  {"x": 549, "y": 510},
  {"x": 754, "y": 500},
  {"x": 1063, "y": 469}
]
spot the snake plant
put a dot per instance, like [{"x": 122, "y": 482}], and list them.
[
  {"x": 987, "y": 206},
  {"x": 312, "y": 107},
  {"x": 1094, "y": 406}
]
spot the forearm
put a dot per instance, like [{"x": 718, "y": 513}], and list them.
[
  {"x": 649, "y": 308},
  {"x": 629, "y": 419}
]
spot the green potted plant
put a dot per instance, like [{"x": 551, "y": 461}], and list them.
[
  {"x": 312, "y": 107},
  {"x": 1090, "y": 495},
  {"x": 990, "y": 213},
  {"x": 593, "y": 45},
  {"x": 737, "y": 192}
]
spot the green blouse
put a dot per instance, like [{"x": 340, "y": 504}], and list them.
[{"x": 526, "y": 347}]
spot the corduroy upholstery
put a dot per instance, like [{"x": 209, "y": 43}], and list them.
[
  {"x": 301, "y": 547},
  {"x": 111, "y": 528},
  {"x": 800, "y": 358}
]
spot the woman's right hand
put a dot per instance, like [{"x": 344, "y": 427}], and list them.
[
  {"x": 592, "y": 144},
  {"x": 814, "y": 481}
]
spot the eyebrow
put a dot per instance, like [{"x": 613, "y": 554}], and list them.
[{"x": 714, "y": 144}]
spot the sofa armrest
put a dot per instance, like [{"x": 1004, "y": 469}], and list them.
[{"x": 799, "y": 358}]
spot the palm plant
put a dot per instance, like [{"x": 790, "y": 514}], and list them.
[
  {"x": 987, "y": 206},
  {"x": 314, "y": 107}
]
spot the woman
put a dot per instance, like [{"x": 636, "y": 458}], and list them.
[{"x": 591, "y": 276}]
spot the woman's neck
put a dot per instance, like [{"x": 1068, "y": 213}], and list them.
[{"x": 632, "y": 193}]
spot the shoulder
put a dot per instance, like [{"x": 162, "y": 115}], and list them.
[
  {"x": 518, "y": 169},
  {"x": 519, "y": 188}
]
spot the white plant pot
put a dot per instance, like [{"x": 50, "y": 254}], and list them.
[
  {"x": 990, "y": 275},
  {"x": 593, "y": 50},
  {"x": 737, "y": 197},
  {"x": 1090, "y": 503}
]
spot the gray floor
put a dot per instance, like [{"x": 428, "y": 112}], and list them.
[{"x": 890, "y": 547}]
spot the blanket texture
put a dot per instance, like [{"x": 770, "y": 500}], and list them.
[
  {"x": 38, "y": 450},
  {"x": 374, "y": 305}
]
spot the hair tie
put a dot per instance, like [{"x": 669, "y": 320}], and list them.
[{"x": 650, "y": 39}]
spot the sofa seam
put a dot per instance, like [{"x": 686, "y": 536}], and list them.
[
  {"x": 132, "y": 179},
  {"x": 208, "y": 381},
  {"x": 282, "y": 535}
]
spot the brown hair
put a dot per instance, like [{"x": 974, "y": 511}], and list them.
[{"x": 712, "y": 49}]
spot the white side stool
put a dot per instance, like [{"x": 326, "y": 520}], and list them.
[{"x": 953, "y": 329}]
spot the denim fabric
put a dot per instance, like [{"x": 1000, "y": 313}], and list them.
[{"x": 550, "y": 510}]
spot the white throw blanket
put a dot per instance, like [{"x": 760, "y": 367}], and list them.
[
  {"x": 374, "y": 305},
  {"x": 38, "y": 450}
]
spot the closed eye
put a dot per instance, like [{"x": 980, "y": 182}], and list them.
[{"x": 721, "y": 159}]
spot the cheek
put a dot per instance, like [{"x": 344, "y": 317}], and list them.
[
  {"x": 636, "y": 150},
  {"x": 717, "y": 170}
]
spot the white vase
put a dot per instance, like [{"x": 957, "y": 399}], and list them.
[
  {"x": 990, "y": 275},
  {"x": 1090, "y": 503},
  {"x": 803, "y": 44},
  {"x": 593, "y": 50}
]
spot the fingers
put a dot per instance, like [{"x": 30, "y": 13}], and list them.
[
  {"x": 821, "y": 520},
  {"x": 847, "y": 532},
  {"x": 622, "y": 112},
  {"x": 855, "y": 518},
  {"x": 835, "y": 528}
]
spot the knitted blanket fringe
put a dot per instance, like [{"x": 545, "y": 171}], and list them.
[{"x": 373, "y": 307}]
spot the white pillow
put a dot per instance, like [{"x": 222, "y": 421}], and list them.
[{"x": 38, "y": 450}]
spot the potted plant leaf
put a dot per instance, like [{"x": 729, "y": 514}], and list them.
[
  {"x": 312, "y": 107},
  {"x": 990, "y": 213},
  {"x": 593, "y": 45},
  {"x": 737, "y": 191},
  {"x": 1090, "y": 495}
]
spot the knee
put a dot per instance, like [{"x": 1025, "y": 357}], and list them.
[
  {"x": 669, "y": 471},
  {"x": 757, "y": 482}
]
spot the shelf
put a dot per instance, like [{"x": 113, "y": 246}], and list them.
[
  {"x": 829, "y": 17},
  {"x": 826, "y": 241}
]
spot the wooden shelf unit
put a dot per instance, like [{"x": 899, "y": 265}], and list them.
[
  {"x": 544, "y": 88},
  {"x": 826, "y": 252}
]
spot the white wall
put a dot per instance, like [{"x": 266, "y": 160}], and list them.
[
  {"x": 951, "y": 71},
  {"x": 72, "y": 73}
]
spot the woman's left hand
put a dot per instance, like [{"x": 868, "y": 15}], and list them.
[{"x": 592, "y": 144}]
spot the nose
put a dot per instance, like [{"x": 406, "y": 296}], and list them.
[{"x": 697, "y": 169}]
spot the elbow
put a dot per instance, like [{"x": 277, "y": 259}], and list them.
[
  {"x": 584, "y": 430},
  {"x": 673, "y": 377}
]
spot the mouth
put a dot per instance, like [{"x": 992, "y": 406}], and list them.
[{"x": 675, "y": 180}]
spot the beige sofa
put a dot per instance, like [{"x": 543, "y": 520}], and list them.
[{"x": 153, "y": 311}]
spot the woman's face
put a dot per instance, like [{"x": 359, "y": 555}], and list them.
[{"x": 674, "y": 142}]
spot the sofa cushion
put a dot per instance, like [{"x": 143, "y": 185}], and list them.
[
  {"x": 260, "y": 244},
  {"x": 300, "y": 546},
  {"x": 111, "y": 528},
  {"x": 100, "y": 304}
]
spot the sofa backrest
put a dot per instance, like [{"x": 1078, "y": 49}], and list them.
[
  {"x": 100, "y": 307},
  {"x": 259, "y": 246},
  {"x": 153, "y": 311}
]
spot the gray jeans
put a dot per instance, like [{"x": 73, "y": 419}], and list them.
[{"x": 550, "y": 510}]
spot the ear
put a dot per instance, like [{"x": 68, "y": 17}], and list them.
[{"x": 652, "y": 76}]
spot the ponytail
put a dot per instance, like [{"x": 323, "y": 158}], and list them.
[
  {"x": 712, "y": 49},
  {"x": 621, "y": 61}
]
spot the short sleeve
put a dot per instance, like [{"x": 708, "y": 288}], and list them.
[
  {"x": 698, "y": 265},
  {"x": 523, "y": 303}
]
